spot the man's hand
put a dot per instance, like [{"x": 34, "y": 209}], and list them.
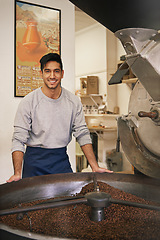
[
  {"x": 88, "y": 152},
  {"x": 102, "y": 170},
  {"x": 17, "y": 158},
  {"x": 14, "y": 178}
]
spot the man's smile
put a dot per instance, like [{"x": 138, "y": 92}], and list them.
[{"x": 52, "y": 81}]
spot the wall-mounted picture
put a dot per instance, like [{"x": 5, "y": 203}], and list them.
[{"x": 37, "y": 32}]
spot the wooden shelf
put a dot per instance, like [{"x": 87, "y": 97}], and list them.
[
  {"x": 101, "y": 129},
  {"x": 131, "y": 80},
  {"x": 102, "y": 115},
  {"x": 91, "y": 95},
  {"x": 94, "y": 98}
]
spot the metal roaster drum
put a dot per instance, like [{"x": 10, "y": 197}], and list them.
[
  {"x": 56, "y": 185},
  {"x": 139, "y": 130}
]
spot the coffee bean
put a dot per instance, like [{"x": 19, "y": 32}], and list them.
[{"x": 121, "y": 222}]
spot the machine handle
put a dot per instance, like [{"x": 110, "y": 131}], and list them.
[{"x": 152, "y": 115}]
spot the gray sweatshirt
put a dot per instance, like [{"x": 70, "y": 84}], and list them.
[{"x": 49, "y": 123}]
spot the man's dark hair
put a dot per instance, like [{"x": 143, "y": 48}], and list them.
[{"x": 51, "y": 57}]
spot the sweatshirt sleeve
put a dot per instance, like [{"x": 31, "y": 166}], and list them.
[
  {"x": 22, "y": 126},
  {"x": 80, "y": 129}
]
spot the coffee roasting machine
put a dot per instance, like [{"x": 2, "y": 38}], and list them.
[{"x": 139, "y": 130}]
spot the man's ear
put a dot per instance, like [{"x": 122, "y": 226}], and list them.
[{"x": 62, "y": 73}]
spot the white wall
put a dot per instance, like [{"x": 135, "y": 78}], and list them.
[
  {"x": 8, "y": 103},
  {"x": 97, "y": 52},
  {"x": 90, "y": 55},
  {"x": 111, "y": 43}
]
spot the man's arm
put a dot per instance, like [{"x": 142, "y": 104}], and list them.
[
  {"x": 22, "y": 127},
  {"x": 88, "y": 152},
  {"x": 17, "y": 158}
]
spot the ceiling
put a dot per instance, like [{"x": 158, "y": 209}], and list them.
[
  {"x": 82, "y": 20},
  {"x": 116, "y": 15}
]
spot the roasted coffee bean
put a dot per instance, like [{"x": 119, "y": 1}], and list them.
[{"x": 121, "y": 222}]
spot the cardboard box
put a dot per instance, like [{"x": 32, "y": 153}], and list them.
[
  {"x": 89, "y": 85},
  {"x": 92, "y": 85}
]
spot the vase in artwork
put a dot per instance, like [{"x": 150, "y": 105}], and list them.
[{"x": 31, "y": 39}]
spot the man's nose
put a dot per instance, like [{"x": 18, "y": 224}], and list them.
[{"x": 52, "y": 74}]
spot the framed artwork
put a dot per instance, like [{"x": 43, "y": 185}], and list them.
[{"x": 37, "y": 32}]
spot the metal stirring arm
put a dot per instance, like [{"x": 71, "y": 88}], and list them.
[
  {"x": 97, "y": 200},
  {"x": 52, "y": 204}
]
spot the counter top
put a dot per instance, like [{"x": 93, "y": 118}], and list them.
[{"x": 104, "y": 129}]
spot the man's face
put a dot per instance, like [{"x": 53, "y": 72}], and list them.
[{"x": 52, "y": 75}]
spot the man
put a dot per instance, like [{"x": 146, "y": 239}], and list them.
[{"x": 45, "y": 121}]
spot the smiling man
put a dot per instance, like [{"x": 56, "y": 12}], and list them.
[{"x": 44, "y": 124}]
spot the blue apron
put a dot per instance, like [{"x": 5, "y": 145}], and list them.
[{"x": 42, "y": 161}]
